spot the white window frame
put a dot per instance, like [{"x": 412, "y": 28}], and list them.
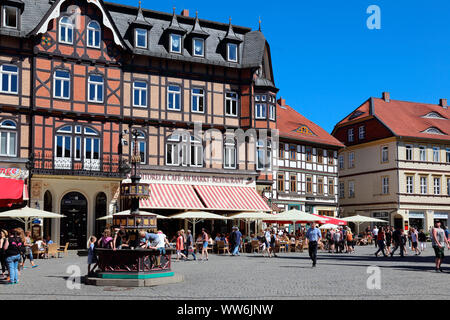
[
  {"x": 91, "y": 39},
  {"x": 63, "y": 136},
  {"x": 9, "y": 131},
  {"x": 436, "y": 154},
  {"x": 385, "y": 185},
  {"x": 423, "y": 185},
  {"x": 341, "y": 190},
  {"x": 266, "y": 153},
  {"x": 229, "y": 154},
  {"x": 67, "y": 26},
  {"x": 140, "y": 91},
  {"x": 447, "y": 155},
  {"x": 410, "y": 184},
  {"x": 351, "y": 160},
  {"x": 351, "y": 189},
  {"x": 180, "y": 46},
  {"x": 174, "y": 146},
  {"x": 272, "y": 112},
  {"x": 231, "y": 99},
  {"x": 4, "y": 17},
  {"x": 448, "y": 186},
  {"x": 174, "y": 94},
  {"x": 197, "y": 96},
  {"x": 136, "y": 35},
  {"x": 350, "y": 135},
  {"x": 384, "y": 154},
  {"x": 236, "y": 46},
  {"x": 203, "y": 47},
  {"x": 409, "y": 149},
  {"x": 361, "y": 132},
  {"x": 259, "y": 108},
  {"x": 437, "y": 186},
  {"x": 10, "y": 75},
  {"x": 92, "y": 138},
  {"x": 341, "y": 162},
  {"x": 96, "y": 84},
  {"x": 196, "y": 150},
  {"x": 63, "y": 80}
]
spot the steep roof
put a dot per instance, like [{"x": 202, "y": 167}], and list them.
[
  {"x": 293, "y": 125},
  {"x": 405, "y": 119}
]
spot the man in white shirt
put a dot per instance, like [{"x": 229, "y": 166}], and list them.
[{"x": 375, "y": 234}]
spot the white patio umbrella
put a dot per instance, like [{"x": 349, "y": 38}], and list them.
[
  {"x": 26, "y": 214},
  {"x": 361, "y": 219},
  {"x": 327, "y": 226},
  {"x": 197, "y": 216},
  {"x": 294, "y": 215},
  {"x": 251, "y": 216},
  {"x": 127, "y": 212}
]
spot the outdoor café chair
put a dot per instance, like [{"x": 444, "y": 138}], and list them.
[{"x": 63, "y": 249}]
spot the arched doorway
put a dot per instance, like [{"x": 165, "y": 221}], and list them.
[
  {"x": 100, "y": 211},
  {"x": 48, "y": 206},
  {"x": 74, "y": 225}
]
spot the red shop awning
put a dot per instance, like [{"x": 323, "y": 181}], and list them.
[
  {"x": 331, "y": 220},
  {"x": 231, "y": 198},
  {"x": 11, "y": 191},
  {"x": 171, "y": 196}
]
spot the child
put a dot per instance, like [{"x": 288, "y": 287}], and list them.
[
  {"x": 180, "y": 246},
  {"x": 92, "y": 258}
]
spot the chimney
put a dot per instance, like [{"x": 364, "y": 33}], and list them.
[
  {"x": 443, "y": 103},
  {"x": 185, "y": 13},
  {"x": 386, "y": 96},
  {"x": 281, "y": 101}
]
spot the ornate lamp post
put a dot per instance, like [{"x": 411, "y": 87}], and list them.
[{"x": 30, "y": 166}]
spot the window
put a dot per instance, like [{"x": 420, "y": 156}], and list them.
[
  {"x": 231, "y": 104},
  {"x": 423, "y": 153},
  {"x": 385, "y": 185},
  {"x": 330, "y": 186},
  {"x": 175, "y": 43},
  {"x": 189, "y": 150},
  {"x": 10, "y": 17},
  {"x": 196, "y": 153},
  {"x": 141, "y": 147},
  {"x": 384, "y": 154},
  {"x": 341, "y": 190},
  {"x": 319, "y": 156},
  {"x": 361, "y": 132},
  {"x": 263, "y": 155},
  {"x": 260, "y": 112},
  {"x": 292, "y": 152},
  {"x": 8, "y": 138},
  {"x": 172, "y": 152},
  {"x": 423, "y": 185},
  {"x": 230, "y": 154},
  {"x": 293, "y": 182},
  {"x": 350, "y": 135},
  {"x": 174, "y": 98},
  {"x": 65, "y": 30},
  {"x": 257, "y": 98},
  {"x": 436, "y": 151},
  {"x": 93, "y": 34},
  {"x": 95, "y": 85},
  {"x": 91, "y": 148},
  {"x": 308, "y": 184},
  {"x": 280, "y": 182},
  {"x": 139, "y": 94},
  {"x": 330, "y": 157},
  {"x": 308, "y": 151},
  {"x": 447, "y": 155},
  {"x": 341, "y": 161},
  {"x": 320, "y": 185},
  {"x": 272, "y": 112},
  {"x": 61, "y": 84},
  {"x": 448, "y": 186},
  {"x": 141, "y": 38},
  {"x": 198, "y": 98},
  {"x": 264, "y": 98},
  {"x": 409, "y": 184},
  {"x": 351, "y": 189},
  {"x": 409, "y": 152},
  {"x": 9, "y": 76},
  {"x": 232, "y": 54},
  {"x": 437, "y": 185},
  {"x": 199, "y": 47},
  {"x": 351, "y": 160},
  {"x": 281, "y": 151}
]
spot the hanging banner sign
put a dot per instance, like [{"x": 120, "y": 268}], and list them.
[{"x": 14, "y": 173}]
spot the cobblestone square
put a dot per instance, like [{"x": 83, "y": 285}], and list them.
[{"x": 251, "y": 276}]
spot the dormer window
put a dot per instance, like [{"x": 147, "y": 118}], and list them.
[
  {"x": 199, "y": 47},
  {"x": 93, "y": 34},
  {"x": 175, "y": 43},
  {"x": 141, "y": 38},
  {"x": 10, "y": 17},
  {"x": 232, "y": 54},
  {"x": 65, "y": 30}
]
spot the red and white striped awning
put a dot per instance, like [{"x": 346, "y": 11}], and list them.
[
  {"x": 231, "y": 198},
  {"x": 171, "y": 196}
]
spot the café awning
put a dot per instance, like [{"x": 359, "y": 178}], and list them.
[
  {"x": 11, "y": 191},
  {"x": 171, "y": 196},
  {"x": 331, "y": 220}
]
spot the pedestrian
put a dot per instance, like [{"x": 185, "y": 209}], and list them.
[
  {"x": 92, "y": 258},
  {"x": 190, "y": 245},
  {"x": 13, "y": 249},
  {"x": 106, "y": 241},
  {"x": 375, "y": 234},
  {"x": 267, "y": 241},
  {"x": 118, "y": 238},
  {"x": 404, "y": 241},
  {"x": 205, "y": 241},
  {"x": 273, "y": 243},
  {"x": 237, "y": 235},
  {"x": 3, "y": 236},
  {"x": 180, "y": 246},
  {"x": 27, "y": 253},
  {"x": 350, "y": 247},
  {"x": 381, "y": 238},
  {"x": 337, "y": 240},
  {"x": 422, "y": 240},
  {"x": 388, "y": 236},
  {"x": 313, "y": 237},
  {"x": 398, "y": 242},
  {"x": 415, "y": 240},
  {"x": 439, "y": 241}
]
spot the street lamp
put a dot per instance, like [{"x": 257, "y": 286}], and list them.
[{"x": 30, "y": 166}]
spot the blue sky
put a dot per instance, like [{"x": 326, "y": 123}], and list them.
[{"x": 327, "y": 62}]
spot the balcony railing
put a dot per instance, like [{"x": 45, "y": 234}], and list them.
[{"x": 46, "y": 163}]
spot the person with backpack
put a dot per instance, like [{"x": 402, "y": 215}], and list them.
[{"x": 13, "y": 248}]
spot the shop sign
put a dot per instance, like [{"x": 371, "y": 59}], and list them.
[
  {"x": 416, "y": 215},
  {"x": 14, "y": 173},
  {"x": 441, "y": 215},
  {"x": 194, "y": 179}
]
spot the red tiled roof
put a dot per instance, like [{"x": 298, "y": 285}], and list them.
[
  {"x": 361, "y": 112},
  {"x": 289, "y": 121}
]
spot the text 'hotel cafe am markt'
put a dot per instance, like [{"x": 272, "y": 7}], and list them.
[{"x": 77, "y": 78}]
